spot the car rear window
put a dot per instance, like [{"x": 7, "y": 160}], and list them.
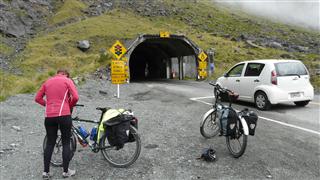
[{"x": 290, "y": 69}]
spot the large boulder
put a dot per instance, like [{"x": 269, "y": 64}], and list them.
[
  {"x": 83, "y": 45},
  {"x": 275, "y": 45}
]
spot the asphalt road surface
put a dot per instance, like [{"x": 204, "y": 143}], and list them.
[
  {"x": 287, "y": 140},
  {"x": 286, "y": 144}
]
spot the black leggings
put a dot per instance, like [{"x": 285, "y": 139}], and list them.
[{"x": 52, "y": 125}]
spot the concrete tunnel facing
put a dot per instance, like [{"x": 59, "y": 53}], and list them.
[{"x": 152, "y": 57}]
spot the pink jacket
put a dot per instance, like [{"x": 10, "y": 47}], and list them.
[{"x": 61, "y": 95}]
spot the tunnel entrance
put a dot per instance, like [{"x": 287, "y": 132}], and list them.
[{"x": 152, "y": 57}]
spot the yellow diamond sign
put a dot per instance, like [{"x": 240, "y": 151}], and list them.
[
  {"x": 202, "y": 56},
  {"x": 118, "y": 50}
]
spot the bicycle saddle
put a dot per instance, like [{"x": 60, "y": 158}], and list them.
[{"x": 105, "y": 109}]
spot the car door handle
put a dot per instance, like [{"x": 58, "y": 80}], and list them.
[
  {"x": 237, "y": 80},
  {"x": 256, "y": 80}
]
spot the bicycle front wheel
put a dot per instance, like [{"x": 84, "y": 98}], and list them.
[
  {"x": 56, "y": 158},
  {"x": 237, "y": 144},
  {"x": 209, "y": 126},
  {"x": 125, "y": 156}
]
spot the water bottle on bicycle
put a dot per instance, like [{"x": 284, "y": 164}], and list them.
[{"x": 118, "y": 155}]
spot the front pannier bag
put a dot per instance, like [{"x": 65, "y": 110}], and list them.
[
  {"x": 228, "y": 122},
  {"x": 251, "y": 119},
  {"x": 117, "y": 130}
]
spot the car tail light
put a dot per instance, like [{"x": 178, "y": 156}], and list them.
[{"x": 274, "y": 77}]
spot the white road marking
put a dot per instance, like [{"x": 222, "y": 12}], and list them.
[
  {"x": 290, "y": 125},
  {"x": 198, "y": 99},
  {"x": 315, "y": 103}
]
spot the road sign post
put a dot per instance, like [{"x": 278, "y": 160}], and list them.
[
  {"x": 118, "y": 66},
  {"x": 202, "y": 61}
]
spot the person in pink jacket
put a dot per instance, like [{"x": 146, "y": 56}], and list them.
[{"x": 60, "y": 96}]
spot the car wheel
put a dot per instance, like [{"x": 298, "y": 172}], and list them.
[
  {"x": 261, "y": 101},
  {"x": 301, "y": 103}
]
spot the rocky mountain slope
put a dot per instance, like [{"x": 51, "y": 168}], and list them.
[{"x": 37, "y": 36}]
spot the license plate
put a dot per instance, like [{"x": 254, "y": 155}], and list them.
[{"x": 295, "y": 95}]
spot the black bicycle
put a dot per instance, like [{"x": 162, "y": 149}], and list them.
[
  {"x": 211, "y": 124},
  {"x": 117, "y": 156}
]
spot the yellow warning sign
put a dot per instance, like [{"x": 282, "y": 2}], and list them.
[
  {"x": 118, "y": 79},
  {"x": 117, "y": 49},
  {"x": 125, "y": 59},
  {"x": 202, "y": 73},
  {"x": 202, "y": 64},
  {"x": 164, "y": 34},
  {"x": 117, "y": 67},
  {"x": 202, "y": 56}
]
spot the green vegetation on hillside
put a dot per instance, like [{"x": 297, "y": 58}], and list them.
[
  {"x": 5, "y": 49},
  {"x": 51, "y": 50},
  {"x": 70, "y": 9}
]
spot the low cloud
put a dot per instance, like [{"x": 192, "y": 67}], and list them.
[{"x": 303, "y": 13}]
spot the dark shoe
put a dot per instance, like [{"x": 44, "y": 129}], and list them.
[{"x": 46, "y": 175}]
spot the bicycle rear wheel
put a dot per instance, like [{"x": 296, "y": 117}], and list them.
[
  {"x": 209, "y": 126},
  {"x": 56, "y": 158},
  {"x": 125, "y": 156},
  {"x": 237, "y": 145}
]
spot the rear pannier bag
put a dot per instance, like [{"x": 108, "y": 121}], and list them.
[
  {"x": 251, "y": 119},
  {"x": 117, "y": 130},
  {"x": 133, "y": 123},
  {"x": 224, "y": 96},
  {"x": 228, "y": 122}
]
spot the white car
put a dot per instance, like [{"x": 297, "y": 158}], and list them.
[{"x": 267, "y": 82}]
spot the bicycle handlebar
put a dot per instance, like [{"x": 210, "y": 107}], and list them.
[
  {"x": 83, "y": 120},
  {"x": 219, "y": 88}
]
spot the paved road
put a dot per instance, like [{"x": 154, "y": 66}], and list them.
[
  {"x": 304, "y": 118},
  {"x": 287, "y": 143}
]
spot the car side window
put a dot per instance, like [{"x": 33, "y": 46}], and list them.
[
  {"x": 254, "y": 69},
  {"x": 236, "y": 71}
]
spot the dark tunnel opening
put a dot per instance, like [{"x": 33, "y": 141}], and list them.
[{"x": 152, "y": 59}]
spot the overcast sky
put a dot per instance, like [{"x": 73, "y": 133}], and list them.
[{"x": 303, "y": 13}]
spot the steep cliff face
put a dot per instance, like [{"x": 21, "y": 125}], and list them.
[
  {"x": 22, "y": 18},
  {"x": 19, "y": 21}
]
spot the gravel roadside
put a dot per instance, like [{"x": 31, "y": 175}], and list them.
[{"x": 168, "y": 126}]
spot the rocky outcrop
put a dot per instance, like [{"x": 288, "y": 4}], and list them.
[
  {"x": 20, "y": 20},
  {"x": 144, "y": 8}
]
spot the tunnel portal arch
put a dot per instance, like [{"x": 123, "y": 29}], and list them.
[{"x": 153, "y": 57}]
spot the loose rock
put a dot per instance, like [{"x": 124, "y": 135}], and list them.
[
  {"x": 83, "y": 45},
  {"x": 17, "y": 128}
]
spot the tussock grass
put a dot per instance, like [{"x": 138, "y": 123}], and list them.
[
  {"x": 70, "y": 9},
  {"x": 5, "y": 49}
]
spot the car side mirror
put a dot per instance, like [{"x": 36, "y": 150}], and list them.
[{"x": 225, "y": 75}]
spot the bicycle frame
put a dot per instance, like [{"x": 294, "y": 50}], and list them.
[{"x": 95, "y": 147}]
